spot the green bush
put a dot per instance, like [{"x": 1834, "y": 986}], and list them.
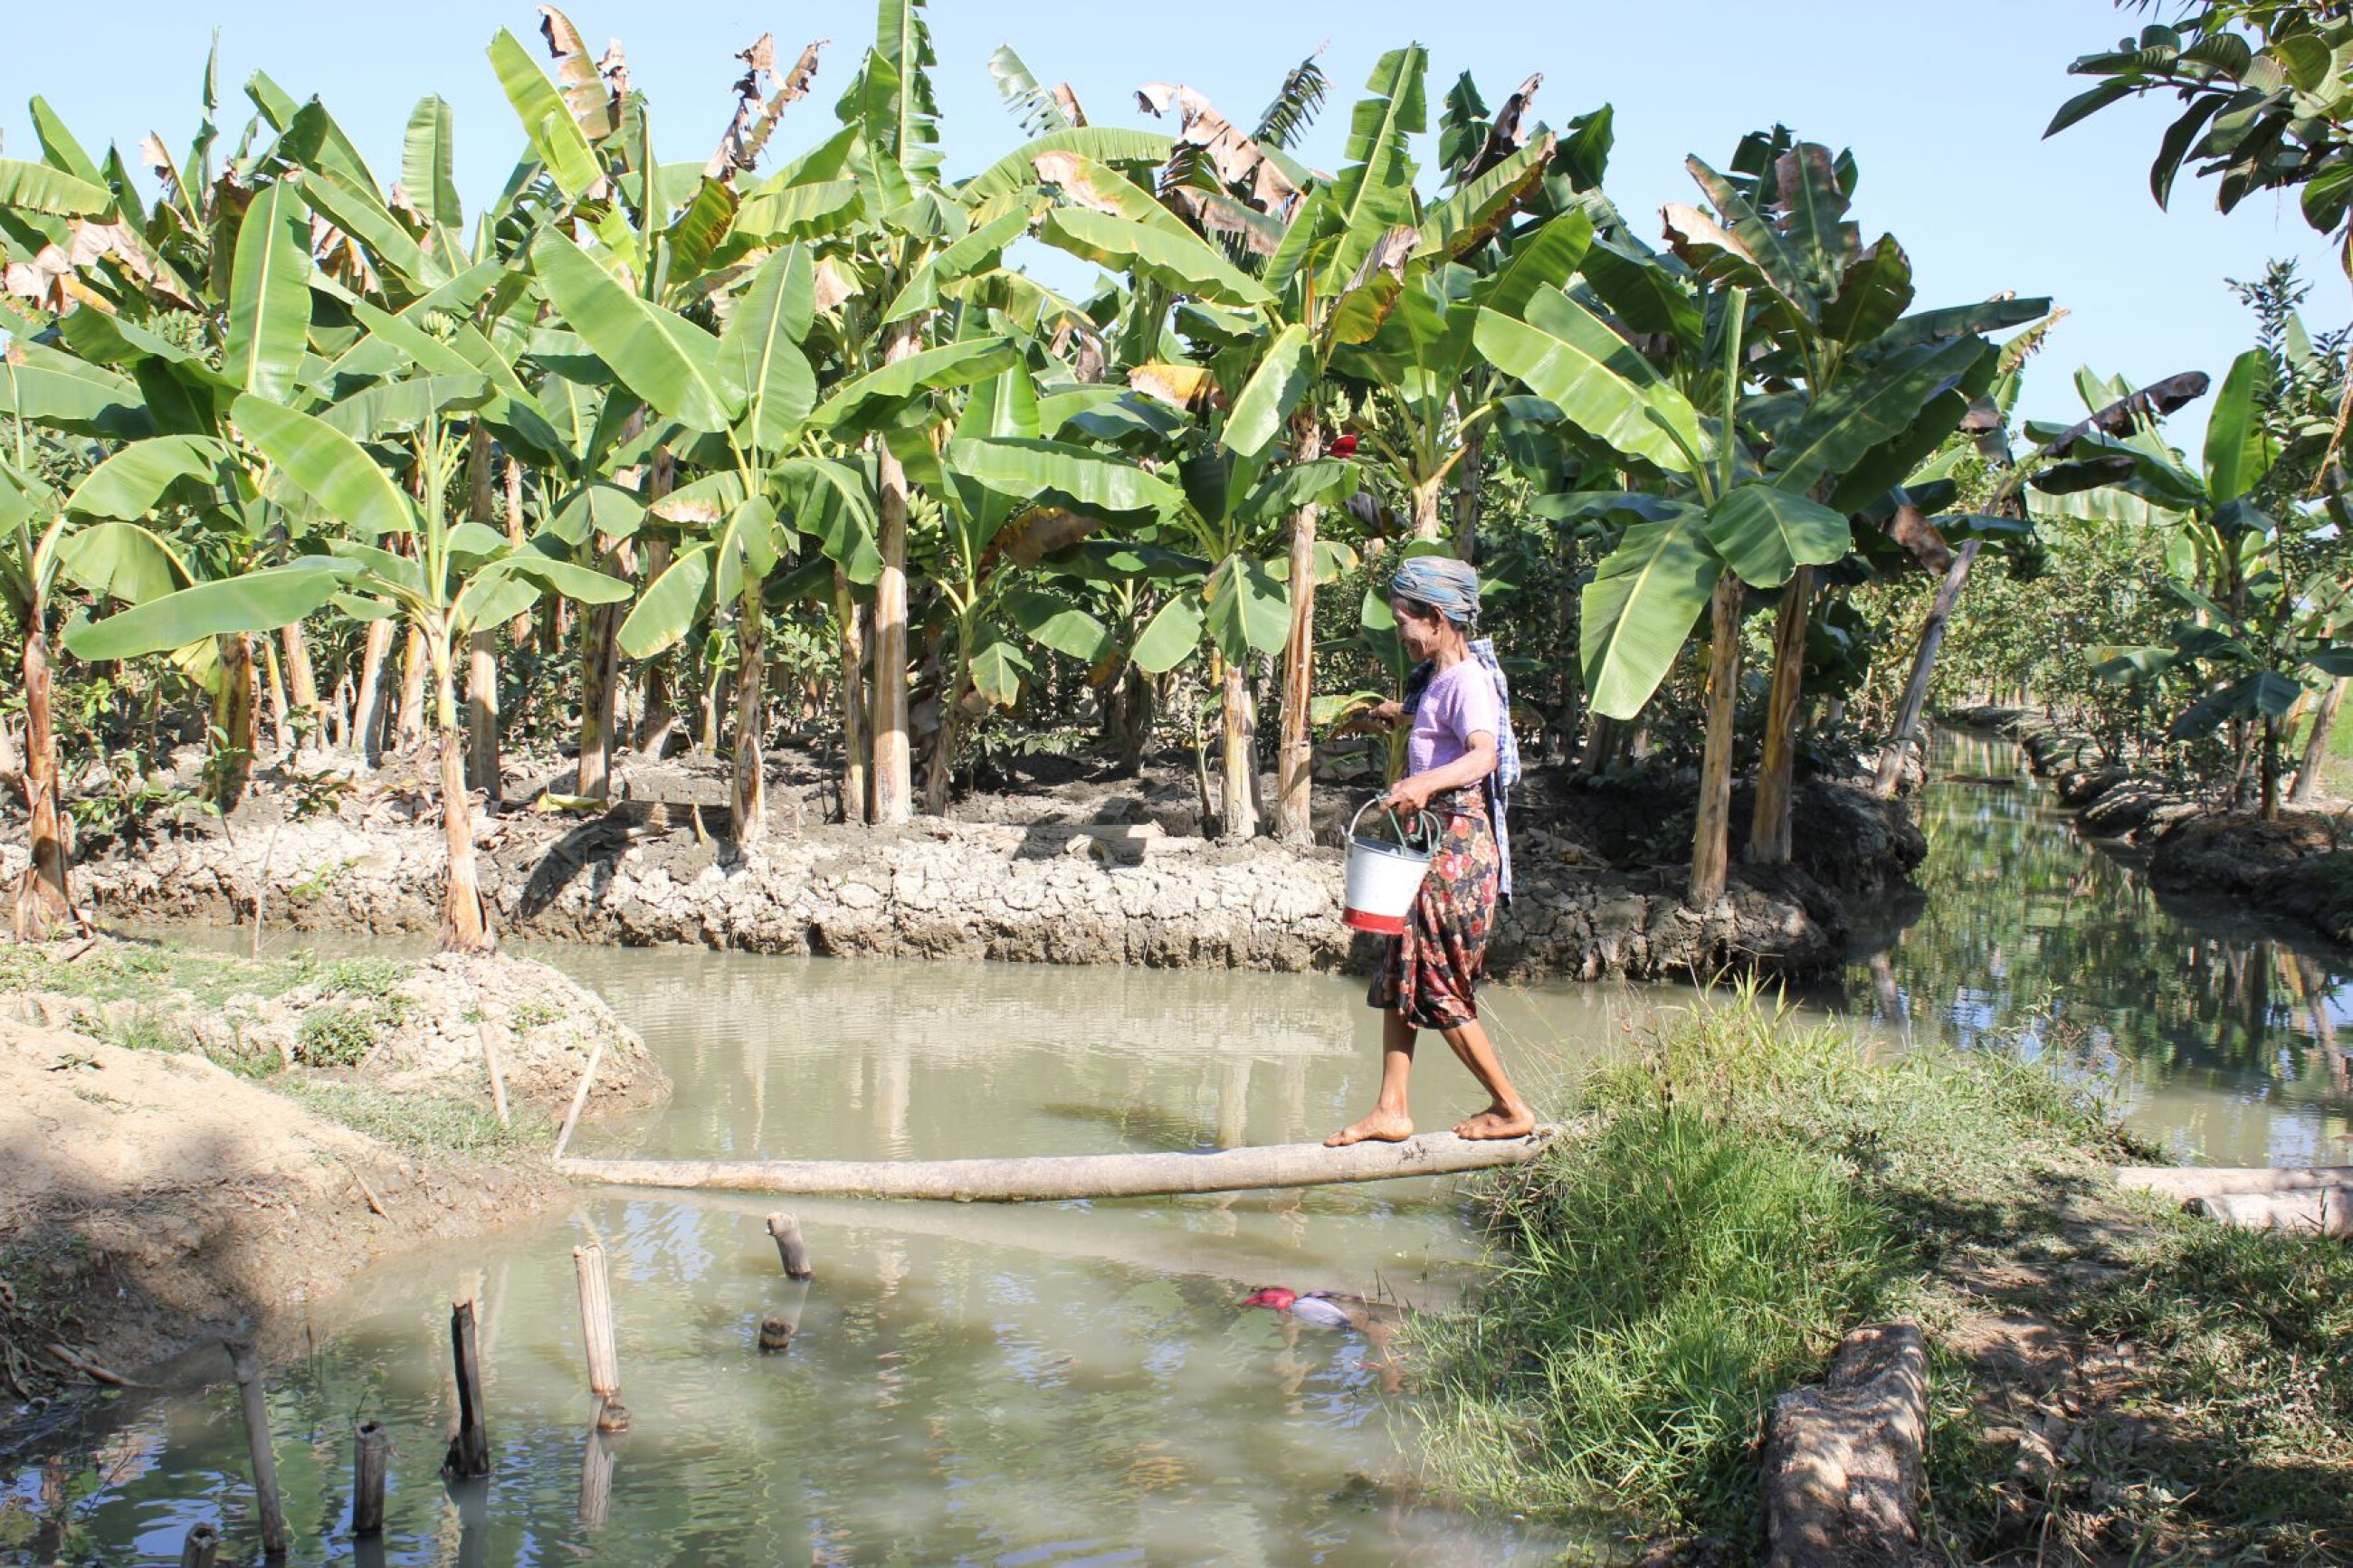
[
  {"x": 336, "y": 1036},
  {"x": 1739, "y": 1195}
]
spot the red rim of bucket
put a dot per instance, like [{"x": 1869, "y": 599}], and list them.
[{"x": 1379, "y": 925}]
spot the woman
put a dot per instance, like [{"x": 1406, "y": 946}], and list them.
[{"x": 1455, "y": 702}]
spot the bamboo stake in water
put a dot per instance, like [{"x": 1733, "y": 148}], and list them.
[
  {"x": 470, "y": 1449},
  {"x": 791, "y": 1247},
  {"x": 247, "y": 1368},
  {"x": 596, "y": 1336},
  {"x": 579, "y": 1099},
  {"x": 200, "y": 1549},
  {"x": 491, "y": 1061},
  {"x": 372, "y": 1449}
]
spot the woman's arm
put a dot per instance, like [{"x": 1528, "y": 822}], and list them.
[{"x": 1413, "y": 794}]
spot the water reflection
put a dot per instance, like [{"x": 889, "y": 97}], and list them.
[
  {"x": 1069, "y": 1384},
  {"x": 2220, "y": 1036}
]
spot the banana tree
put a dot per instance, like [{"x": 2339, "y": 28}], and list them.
[
  {"x": 1875, "y": 389},
  {"x": 2268, "y": 605},
  {"x": 33, "y": 523},
  {"x": 1757, "y": 492},
  {"x": 1007, "y": 491},
  {"x": 2067, "y": 491},
  {"x": 459, "y": 576},
  {"x": 750, "y": 394},
  {"x": 751, "y": 387},
  {"x": 1313, "y": 266}
]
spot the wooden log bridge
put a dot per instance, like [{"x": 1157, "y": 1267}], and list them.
[
  {"x": 2317, "y": 1198},
  {"x": 1059, "y": 1178}
]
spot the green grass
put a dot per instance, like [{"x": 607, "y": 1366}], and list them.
[
  {"x": 118, "y": 969},
  {"x": 1749, "y": 1191},
  {"x": 115, "y": 970},
  {"x": 361, "y": 991},
  {"x": 428, "y": 1125},
  {"x": 2227, "y": 1431}
]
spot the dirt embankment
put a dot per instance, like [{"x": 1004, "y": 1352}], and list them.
[
  {"x": 154, "y": 1198},
  {"x": 2298, "y": 868},
  {"x": 1084, "y": 871},
  {"x": 192, "y": 1141}
]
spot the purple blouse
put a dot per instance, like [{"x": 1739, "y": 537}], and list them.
[{"x": 1458, "y": 702}]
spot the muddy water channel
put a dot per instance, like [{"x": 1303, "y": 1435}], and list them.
[
  {"x": 2223, "y": 1037},
  {"x": 1075, "y": 1383}
]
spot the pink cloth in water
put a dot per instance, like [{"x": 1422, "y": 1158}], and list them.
[{"x": 1458, "y": 703}]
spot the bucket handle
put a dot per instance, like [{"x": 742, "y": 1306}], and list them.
[{"x": 1421, "y": 836}]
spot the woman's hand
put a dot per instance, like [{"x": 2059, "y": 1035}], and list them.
[
  {"x": 1387, "y": 716},
  {"x": 1410, "y": 794}
]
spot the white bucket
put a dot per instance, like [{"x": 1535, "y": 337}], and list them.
[{"x": 1383, "y": 879}]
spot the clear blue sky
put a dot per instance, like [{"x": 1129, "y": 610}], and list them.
[{"x": 1943, "y": 107}]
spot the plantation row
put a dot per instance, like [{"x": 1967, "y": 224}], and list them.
[{"x": 644, "y": 423}]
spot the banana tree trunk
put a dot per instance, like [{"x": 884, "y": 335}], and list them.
[
  {"x": 1426, "y": 523},
  {"x": 518, "y": 630},
  {"x": 893, "y": 782},
  {"x": 281, "y": 718},
  {"x": 857, "y": 805},
  {"x": 2271, "y": 767},
  {"x": 1466, "y": 497},
  {"x": 465, "y": 917},
  {"x": 482, "y": 648},
  {"x": 44, "y": 893},
  {"x": 939, "y": 769},
  {"x": 1135, "y": 709},
  {"x": 235, "y": 721},
  {"x": 1711, "y": 851},
  {"x": 747, "y": 794},
  {"x": 1601, "y": 741},
  {"x": 714, "y": 698},
  {"x": 1768, "y": 827},
  {"x": 1923, "y": 668},
  {"x": 1295, "y": 743},
  {"x": 1239, "y": 802},
  {"x": 658, "y": 709},
  {"x": 599, "y": 678},
  {"x": 409, "y": 732},
  {"x": 2315, "y": 745},
  {"x": 367, "y": 713},
  {"x": 303, "y": 681},
  {"x": 483, "y": 714}
]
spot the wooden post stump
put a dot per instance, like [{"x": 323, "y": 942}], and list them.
[
  {"x": 247, "y": 1367},
  {"x": 579, "y": 1100},
  {"x": 469, "y": 1446},
  {"x": 202, "y": 1547},
  {"x": 372, "y": 1449},
  {"x": 596, "y": 1336},
  {"x": 1843, "y": 1459},
  {"x": 791, "y": 1247}
]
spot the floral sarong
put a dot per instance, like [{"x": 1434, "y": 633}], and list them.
[{"x": 1430, "y": 970}]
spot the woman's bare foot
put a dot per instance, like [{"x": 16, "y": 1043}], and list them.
[
  {"x": 1380, "y": 1127},
  {"x": 1499, "y": 1122}
]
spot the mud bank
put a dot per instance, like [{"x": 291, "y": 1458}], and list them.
[
  {"x": 2293, "y": 868},
  {"x": 1078, "y": 880},
  {"x": 155, "y": 1199},
  {"x": 194, "y": 1141}
]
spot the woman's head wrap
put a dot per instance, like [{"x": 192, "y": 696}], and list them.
[{"x": 1446, "y": 584}]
